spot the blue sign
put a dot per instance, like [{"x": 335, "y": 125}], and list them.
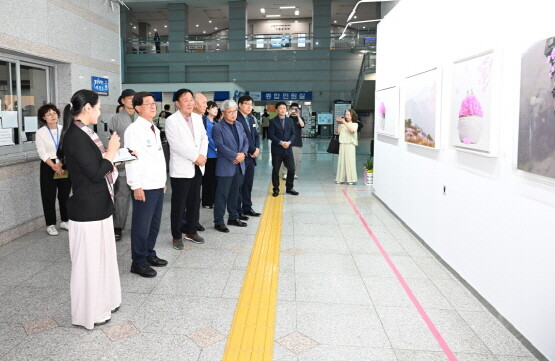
[
  {"x": 100, "y": 85},
  {"x": 221, "y": 95},
  {"x": 293, "y": 96}
]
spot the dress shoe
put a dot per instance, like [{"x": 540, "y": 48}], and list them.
[
  {"x": 177, "y": 244},
  {"x": 118, "y": 234},
  {"x": 221, "y": 228},
  {"x": 195, "y": 238},
  {"x": 208, "y": 207},
  {"x": 115, "y": 310},
  {"x": 243, "y": 217},
  {"x": 292, "y": 191},
  {"x": 100, "y": 323},
  {"x": 156, "y": 262},
  {"x": 275, "y": 193},
  {"x": 200, "y": 228},
  {"x": 236, "y": 222},
  {"x": 143, "y": 270},
  {"x": 252, "y": 213}
]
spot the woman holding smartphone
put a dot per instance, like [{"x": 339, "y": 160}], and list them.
[
  {"x": 95, "y": 284},
  {"x": 348, "y": 141}
]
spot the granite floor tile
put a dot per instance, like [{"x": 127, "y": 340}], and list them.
[
  {"x": 515, "y": 358},
  {"x": 287, "y": 261},
  {"x": 303, "y": 219},
  {"x": 234, "y": 283},
  {"x": 30, "y": 303},
  {"x": 286, "y": 287},
  {"x": 428, "y": 294},
  {"x": 206, "y": 337},
  {"x": 319, "y": 263},
  {"x": 39, "y": 325},
  {"x": 15, "y": 271},
  {"x": 321, "y": 230},
  {"x": 297, "y": 343},
  {"x": 10, "y": 335},
  {"x": 335, "y": 353},
  {"x": 207, "y": 258},
  {"x": 193, "y": 282},
  {"x": 327, "y": 244},
  {"x": 120, "y": 331},
  {"x": 57, "y": 275},
  {"x": 373, "y": 265},
  {"x": 283, "y": 354},
  {"x": 433, "y": 268},
  {"x": 338, "y": 289},
  {"x": 458, "y": 295},
  {"x": 213, "y": 352},
  {"x": 362, "y": 245},
  {"x": 341, "y": 325}
]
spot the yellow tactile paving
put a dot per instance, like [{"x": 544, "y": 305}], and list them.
[{"x": 252, "y": 331}]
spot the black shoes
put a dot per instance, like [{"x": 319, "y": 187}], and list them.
[
  {"x": 117, "y": 234},
  {"x": 156, "y": 262},
  {"x": 200, "y": 228},
  {"x": 221, "y": 228},
  {"x": 102, "y": 322},
  {"x": 275, "y": 193},
  {"x": 143, "y": 270},
  {"x": 243, "y": 217},
  {"x": 292, "y": 191},
  {"x": 236, "y": 222},
  {"x": 252, "y": 213}
]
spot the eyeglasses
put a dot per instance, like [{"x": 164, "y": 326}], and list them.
[
  {"x": 230, "y": 111},
  {"x": 149, "y": 104}
]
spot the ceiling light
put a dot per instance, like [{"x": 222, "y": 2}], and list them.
[
  {"x": 216, "y": 28},
  {"x": 134, "y": 27},
  {"x": 196, "y": 25},
  {"x": 286, "y": 7},
  {"x": 165, "y": 26},
  {"x": 273, "y": 16},
  {"x": 354, "y": 17},
  {"x": 335, "y": 21},
  {"x": 297, "y": 12},
  {"x": 155, "y": 29},
  {"x": 263, "y": 11},
  {"x": 364, "y": 27},
  {"x": 204, "y": 32},
  {"x": 209, "y": 21}
]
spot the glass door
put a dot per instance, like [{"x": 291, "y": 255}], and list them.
[{"x": 9, "y": 120}]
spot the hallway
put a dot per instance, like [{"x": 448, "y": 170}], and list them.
[{"x": 353, "y": 284}]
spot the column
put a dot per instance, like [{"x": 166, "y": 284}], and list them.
[
  {"x": 177, "y": 27},
  {"x": 237, "y": 25},
  {"x": 321, "y": 24}
]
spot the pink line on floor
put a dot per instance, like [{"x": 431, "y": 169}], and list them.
[{"x": 446, "y": 350}]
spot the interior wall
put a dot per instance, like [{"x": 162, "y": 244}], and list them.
[{"x": 494, "y": 224}]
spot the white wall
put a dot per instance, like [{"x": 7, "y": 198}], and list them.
[{"x": 494, "y": 225}]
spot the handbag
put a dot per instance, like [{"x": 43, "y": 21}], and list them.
[{"x": 333, "y": 147}]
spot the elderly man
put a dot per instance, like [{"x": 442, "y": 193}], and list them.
[
  {"x": 188, "y": 147},
  {"x": 232, "y": 146},
  {"x": 122, "y": 192},
  {"x": 147, "y": 178}
]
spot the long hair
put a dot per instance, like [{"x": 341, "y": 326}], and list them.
[
  {"x": 75, "y": 107},
  {"x": 354, "y": 116}
]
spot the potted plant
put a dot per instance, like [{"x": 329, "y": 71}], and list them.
[{"x": 369, "y": 171}]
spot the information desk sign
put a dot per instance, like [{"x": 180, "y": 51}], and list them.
[{"x": 100, "y": 85}]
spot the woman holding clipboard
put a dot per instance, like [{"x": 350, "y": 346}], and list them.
[{"x": 53, "y": 178}]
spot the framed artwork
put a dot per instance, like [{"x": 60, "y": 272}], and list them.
[
  {"x": 536, "y": 127},
  {"x": 387, "y": 112},
  {"x": 422, "y": 108},
  {"x": 472, "y": 127}
]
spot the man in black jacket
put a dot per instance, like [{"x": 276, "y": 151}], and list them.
[{"x": 282, "y": 133}]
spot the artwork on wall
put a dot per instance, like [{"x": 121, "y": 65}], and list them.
[
  {"x": 472, "y": 125},
  {"x": 536, "y": 136},
  {"x": 387, "y": 112},
  {"x": 422, "y": 108}
]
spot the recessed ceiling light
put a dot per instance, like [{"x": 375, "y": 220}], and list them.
[
  {"x": 273, "y": 16},
  {"x": 364, "y": 27},
  {"x": 113, "y": 59},
  {"x": 134, "y": 27},
  {"x": 196, "y": 25},
  {"x": 165, "y": 26},
  {"x": 209, "y": 21},
  {"x": 335, "y": 21},
  {"x": 355, "y": 16},
  {"x": 216, "y": 28},
  {"x": 286, "y": 7},
  {"x": 296, "y": 12},
  {"x": 149, "y": 33},
  {"x": 155, "y": 29},
  {"x": 204, "y": 32},
  {"x": 263, "y": 11}
]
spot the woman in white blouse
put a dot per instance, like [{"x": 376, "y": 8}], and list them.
[
  {"x": 53, "y": 179},
  {"x": 348, "y": 141}
]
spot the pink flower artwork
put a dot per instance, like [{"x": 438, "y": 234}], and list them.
[
  {"x": 382, "y": 108},
  {"x": 470, "y": 106}
]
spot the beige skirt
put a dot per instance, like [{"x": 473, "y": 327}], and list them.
[{"x": 95, "y": 284}]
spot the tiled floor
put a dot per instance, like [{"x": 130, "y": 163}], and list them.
[{"x": 338, "y": 299}]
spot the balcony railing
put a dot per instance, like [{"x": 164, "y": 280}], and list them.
[{"x": 193, "y": 44}]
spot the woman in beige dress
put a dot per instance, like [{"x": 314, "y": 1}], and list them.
[{"x": 348, "y": 141}]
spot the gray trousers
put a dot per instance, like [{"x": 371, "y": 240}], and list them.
[{"x": 122, "y": 199}]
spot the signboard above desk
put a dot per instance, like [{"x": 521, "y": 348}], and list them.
[
  {"x": 286, "y": 96},
  {"x": 100, "y": 85}
]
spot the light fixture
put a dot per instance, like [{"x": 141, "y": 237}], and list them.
[
  {"x": 297, "y": 12},
  {"x": 134, "y": 27},
  {"x": 196, "y": 25},
  {"x": 165, "y": 26},
  {"x": 360, "y": 2},
  {"x": 113, "y": 59},
  {"x": 356, "y": 22},
  {"x": 263, "y": 11},
  {"x": 215, "y": 28},
  {"x": 354, "y": 17},
  {"x": 209, "y": 21},
  {"x": 273, "y": 16},
  {"x": 287, "y": 7},
  {"x": 364, "y": 27},
  {"x": 204, "y": 32},
  {"x": 335, "y": 21},
  {"x": 155, "y": 29}
]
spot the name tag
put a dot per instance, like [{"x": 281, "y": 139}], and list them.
[
  {"x": 148, "y": 143},
  {"x": 254, "y": 125}
]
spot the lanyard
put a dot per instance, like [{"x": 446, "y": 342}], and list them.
[{"x": 56, "y": 142}]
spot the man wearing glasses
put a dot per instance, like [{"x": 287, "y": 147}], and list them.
[
  {"x": 147, "y": 178},
  {"x": 188, "y": 147}
]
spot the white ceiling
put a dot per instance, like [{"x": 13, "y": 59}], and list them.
[{"x": 212, "y": 14}]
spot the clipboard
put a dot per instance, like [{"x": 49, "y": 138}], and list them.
[{"x": 124, "y": 155}]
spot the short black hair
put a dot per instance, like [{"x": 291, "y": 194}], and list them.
[
  {"x": 45, "y": 109},
  {"x": 211, "y": 104},
  {"x": 138, "y": 98},
  {"x": 281, "y": 103},
  {"x": 167, "y": 107},
  {"x": 294, "y": 105},
  {"x": 180, "y": 92},
  {"x": 245, "y": 98}
]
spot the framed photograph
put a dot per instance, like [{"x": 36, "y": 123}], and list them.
[
  {"x": 536, "y": 128},
  {"x": 422, "y": 94},
  {"x": 472, "y": 124},
  {"x": 387, "y": 112}
]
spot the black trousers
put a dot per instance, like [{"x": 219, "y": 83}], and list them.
[
  {"x": 264, "y": 132},
  {"x": 48, "y": 189},
  {"x": 289, "y": 162},
  {"x": 245, "y": 203},
  {"x": 209, "y": 182},
  {"x": 185, "y": 204},
  {"x": 145, "y": 225}
]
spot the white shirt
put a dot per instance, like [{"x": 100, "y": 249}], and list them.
[
  {"x": 184, "y": 147},
  {"x": 45, "y": 143},
  {"x": 149, "y": 171}
]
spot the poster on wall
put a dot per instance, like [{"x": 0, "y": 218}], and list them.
[
  {"x": 422, "y": 109},
  {"x": 387, "y": 112},
  {"x": 536, "y": 133},
  {"x": 471, "y": 118}
]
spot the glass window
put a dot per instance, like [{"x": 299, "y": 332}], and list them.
[
  {"x": 9, "y": 123},
  {"x": 34, "y": 94}
]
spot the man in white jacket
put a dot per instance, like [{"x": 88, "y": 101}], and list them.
[{"x": 188, "y": 147}]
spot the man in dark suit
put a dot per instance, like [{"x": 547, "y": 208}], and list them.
[
  {"x": 282, "y": 133},
  {"x": 247, "y": 120},
  {"x": 232, "y": 147}
]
